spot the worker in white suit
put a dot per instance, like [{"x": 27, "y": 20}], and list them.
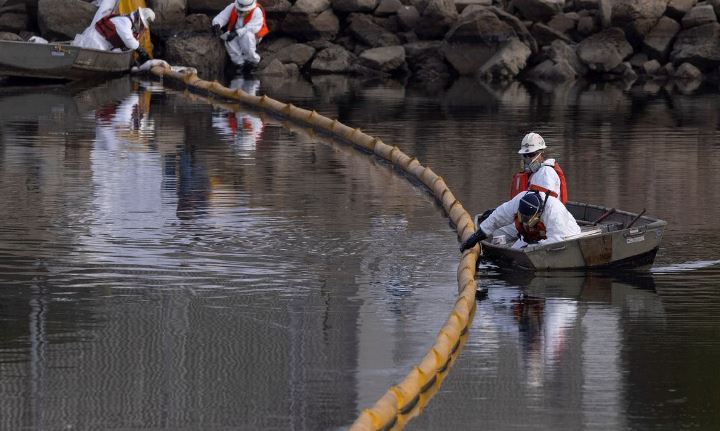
[
  {"x": 241, "y": 25},
  {"x": 538, "y": 217},
  {"x": 244, "y": 128},
  {"x": 118, "y": 32}
]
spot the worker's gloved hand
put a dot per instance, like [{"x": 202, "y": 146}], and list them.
[
  {"x": 231, "y": 35},
  {"x": 216, "y": 31},
  {"x": 478, "y": 236},
  {"x": 142, "y": 55}
]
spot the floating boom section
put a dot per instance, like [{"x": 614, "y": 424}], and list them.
[{"x": 406, "y": 399}]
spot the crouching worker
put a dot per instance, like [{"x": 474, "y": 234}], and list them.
[
  {"x": 539, "y": 218},
  {"x": 241, "y": 25},
  {"x": 119, "y": 32}
]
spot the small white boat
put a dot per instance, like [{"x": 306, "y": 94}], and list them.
[
  {"x": 60, "y": 60},
  {"x": 609, "y": 239}
]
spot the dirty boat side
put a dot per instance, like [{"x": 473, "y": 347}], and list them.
[
  {"x": 60, "y": 60},
  {"x": 608, "y": 244}
]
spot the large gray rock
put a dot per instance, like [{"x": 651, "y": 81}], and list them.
[
  {"x": 636, "y": 17},
  {"x": 13, "y": 16},
  {"x": 364, "y": 29},
  {"x": 561, "y": 52},
  {"x": 545, "y": 35},
  {"x": 461, "y": 5},
  {"x": 518, "y": 27},
  {"x": 626, "y": 11},
  {"x": 201, "y": 51},
  {"x": 384, "y": 59},
  {"x": 298, "y": 53},
  {"x": 539, "y": 10},
  {"x": 277, "y": 69},
  {"x": 169, "y": 13},
  {"x": 604, "y": 51},
  {"x": 310, "y": 7},
  {"x": 699, "y": 46},
  {"x": 650, "y": 67},
  {"x": 408, "y": 17},
  {"x": 476, "y": 37},
  {"x": 276, "y": 7},
  {"x": 564, "y": 22},
  {"x": 387, "y": 7},
  {"x": 304, "y": 22},
  {"x": 507, "y": 63},
  {"x": 426, "y": 61},
  {"x": 659, "y": 41},
  {"x": 699, "y": 15},
  {"x": 4, "y": 35},
  {"x": 276, "y": 44},
  {"x": 193, "y": 23},
  {"x": 677, "y": 9},
  {"x": 687, "y": 71},
  {"x": 716, "y": 5},
  {"x": 550, "y": 71},
  {"x": 347, "y": 6},
  {"x": 436, "y": 19},
  {"x": 207, "y": 6},
  {"x": 334, "y": 59},
  {"x": 63, "y": 19}
]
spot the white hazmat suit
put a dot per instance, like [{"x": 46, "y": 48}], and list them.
[
  {"x": 559, "y": 223},
  {"x": 546, "y": 178},
  {"x": 242, "y": 48},
  {"x": 91, "y": 38}
]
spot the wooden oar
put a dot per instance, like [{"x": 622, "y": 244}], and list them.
[
  {"x": 607, "y": 214},
  {"x": 635, "y": 219}
]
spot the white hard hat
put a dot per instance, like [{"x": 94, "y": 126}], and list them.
[
  {"x": 146, "y": 16},
  {"x": 532, "y": 142},
  {"x": 245, "y": 5}
]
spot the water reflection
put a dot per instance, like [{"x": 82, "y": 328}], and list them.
[
  {"x": 244, "y": 128},
  {"x": 159, "y": 268},
  {"x": 161, "y": 271},
  {"x": 551, "y": 349}
]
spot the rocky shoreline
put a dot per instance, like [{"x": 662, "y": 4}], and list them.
[{"x": 548, "y": 42}]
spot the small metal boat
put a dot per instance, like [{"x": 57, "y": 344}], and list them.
[
  {"x": 609, "y": 239},
  {"x": 60, "y": 60}
]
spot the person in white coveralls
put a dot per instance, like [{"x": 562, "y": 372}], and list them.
[
  {"x": 244, "y": 128},
  {"x": 241, "y": 25},
  {"x": 121, "y": 32},
  {"x": 538, "y": 217}
]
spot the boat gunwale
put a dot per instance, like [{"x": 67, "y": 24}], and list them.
[
  {"x": 106, "y": 63},
  {"x": 505, "y": 252}
]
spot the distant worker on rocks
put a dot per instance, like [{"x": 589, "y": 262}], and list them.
[
  {"x": 532, "y": 151},
  {"x": 241, "y": 25},
  {"x": 119, "y": 32}
]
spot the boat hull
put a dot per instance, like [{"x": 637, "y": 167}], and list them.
[
  {"x": 60, "y": 61},
  {"x": 609, "y": 244}
]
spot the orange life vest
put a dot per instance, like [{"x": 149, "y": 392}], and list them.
[
  {"x": 521, "y": 180},
  {"x": 246, "y": 19},
  {"x": 247, "y": 126},
  {"x": 529, "y": 234},
  {"x": 108, "y": 30}
]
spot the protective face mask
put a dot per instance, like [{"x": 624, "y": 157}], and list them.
[
  {"x": 532, "y": 165},
  {"x": 530, "y": 221}
]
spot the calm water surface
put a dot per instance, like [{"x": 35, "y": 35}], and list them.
[{"x": 168, "y": 263}]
